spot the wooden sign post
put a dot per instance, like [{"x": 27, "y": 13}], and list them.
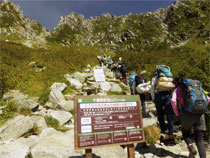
[
  {"x": 107, "y": 120},
  {"x": 88, "y": 153},
  {"x": 131, "y": 151}
]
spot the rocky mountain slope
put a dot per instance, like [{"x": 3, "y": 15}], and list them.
[
  {"x": 47, "y": 131},
  {"x": 178, "y": 23}
]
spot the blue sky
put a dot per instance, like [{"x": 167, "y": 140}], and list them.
[{"x": 48, "y": 12}]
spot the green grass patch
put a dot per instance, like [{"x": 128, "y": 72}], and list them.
[
  {"x": 8, "y": 112},
  {"x": 57, "y": 60},
  {"x": 25, "y": 111},
  {"x": 51, "y": 122},
  {"x": 72, "y": 112}
]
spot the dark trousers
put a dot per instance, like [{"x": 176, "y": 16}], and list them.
[
  {"x": 196, "y": 122},
  {"x": 143, "y": 105},
  {"x": 198, "y": 137},
  {"x": 163, "y": 106},
  {"x": 124, "y": 77}
]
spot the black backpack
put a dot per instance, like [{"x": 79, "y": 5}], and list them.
[
  {"x": 139, "y": 79},
  {"x": 124, "y": 69},
  {"x": 194, "y": 97}
]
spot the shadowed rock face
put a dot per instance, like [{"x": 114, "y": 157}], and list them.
[{"x": 173, "y": 25}]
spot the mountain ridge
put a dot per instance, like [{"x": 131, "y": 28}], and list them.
[{"x": 109, "y": 32}]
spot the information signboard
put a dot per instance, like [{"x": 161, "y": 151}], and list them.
[
  {"x": 107, "y": 120},
  {"x": 99, "y": 75}
]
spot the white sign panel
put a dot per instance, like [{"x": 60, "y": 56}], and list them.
[{"x": 99, "y": 75}]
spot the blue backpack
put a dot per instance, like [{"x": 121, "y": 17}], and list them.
[
  {"x": 194, "y": 97},
  {"x": 131, "y": 78}
]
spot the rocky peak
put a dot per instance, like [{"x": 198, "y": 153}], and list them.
[
  {"x": 108, "y": 30},
  {"x": 71, "y": 19},
  {"x": 29, "y": 32},
  {"x": 108, "y": 15}
]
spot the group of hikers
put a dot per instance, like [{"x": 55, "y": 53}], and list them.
[
  {"x": 173, "y": 96},
  {"x": 177, "y": 96},
  {"x": 118, "y": 67}
]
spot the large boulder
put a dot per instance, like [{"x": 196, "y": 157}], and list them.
[
  {"x": 15, "y": 128},
  {"x": 39, "y": 122},
  {"x": 108, "y": 73},
  {"x": 28, "y": 104},
  {"x": 21, "y": 99},
  {"x": 14, "y": 95},
  {"x": 116, "y": 88},
  {"x": 114, "y": 151},
  {"x": 105, "y": 86},
  {"x": 61, "y": 116},
  {"x": 79, "y": 76},
  {"x": 66, "y": 105},
  {"x": 18, "y": 148},
  {"x": 149, "y": 121},
  {"x": 55, "y": 144},
  {"x": 56, "y": 96},
  {"x": 73, "y": 82}
]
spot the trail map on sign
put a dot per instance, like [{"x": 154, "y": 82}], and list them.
[{"x": 104, "y": 121}]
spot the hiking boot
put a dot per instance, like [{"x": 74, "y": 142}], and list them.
[{"x": 192, "y": 151}]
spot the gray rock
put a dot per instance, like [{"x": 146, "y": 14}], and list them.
[
  {"x": 79, "y": 76},
  {"x": 15, "y": 95},
  {"x": 15, "y": 128},
  {"x": 105, "y": 86},
  {"x": 56, "y": 96},
  {"x": 61, "y": 116},
  {"x": 21, "y": 99},
  {"x": 149, "y": 121},
  {"x": 116, "y": 88},
  {"x": 75, "y": 83},
  {"x": 148, "y": 155},
  {"x": 28, "y": 104},
  {"x": 18, "y": 148},
  {"x": 108, "y": 73},
  {"x": 112, "y": 152},
  {"x": 49, "y": 105},
  {"x": 55, "y": 144},
  {"x": 58, "y": 86},
  {"x": 66, "y": 105},
  {"x": 40, "y": 123}
]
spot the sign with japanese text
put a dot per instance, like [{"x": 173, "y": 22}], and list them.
[
  {"x": 99, "y": 75},
  {"x": 106, "y": 120}
]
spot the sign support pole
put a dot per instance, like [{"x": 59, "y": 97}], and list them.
[
  {"x": 131, "y": 151},
  {"x": 88, "y": 153}
]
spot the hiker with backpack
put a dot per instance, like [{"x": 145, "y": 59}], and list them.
[
  {"x": 109, "y": 62},
  {"x": 161, "y": 95},
  {"x": 139, "y": 79},
  {"x": 102, "y": 60},
  {"x": 119, "y": 65},
  {"x": 124, "y": 71},
  {"x": 189, "y": 104},
  {"x": 131, "y": 82}
]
